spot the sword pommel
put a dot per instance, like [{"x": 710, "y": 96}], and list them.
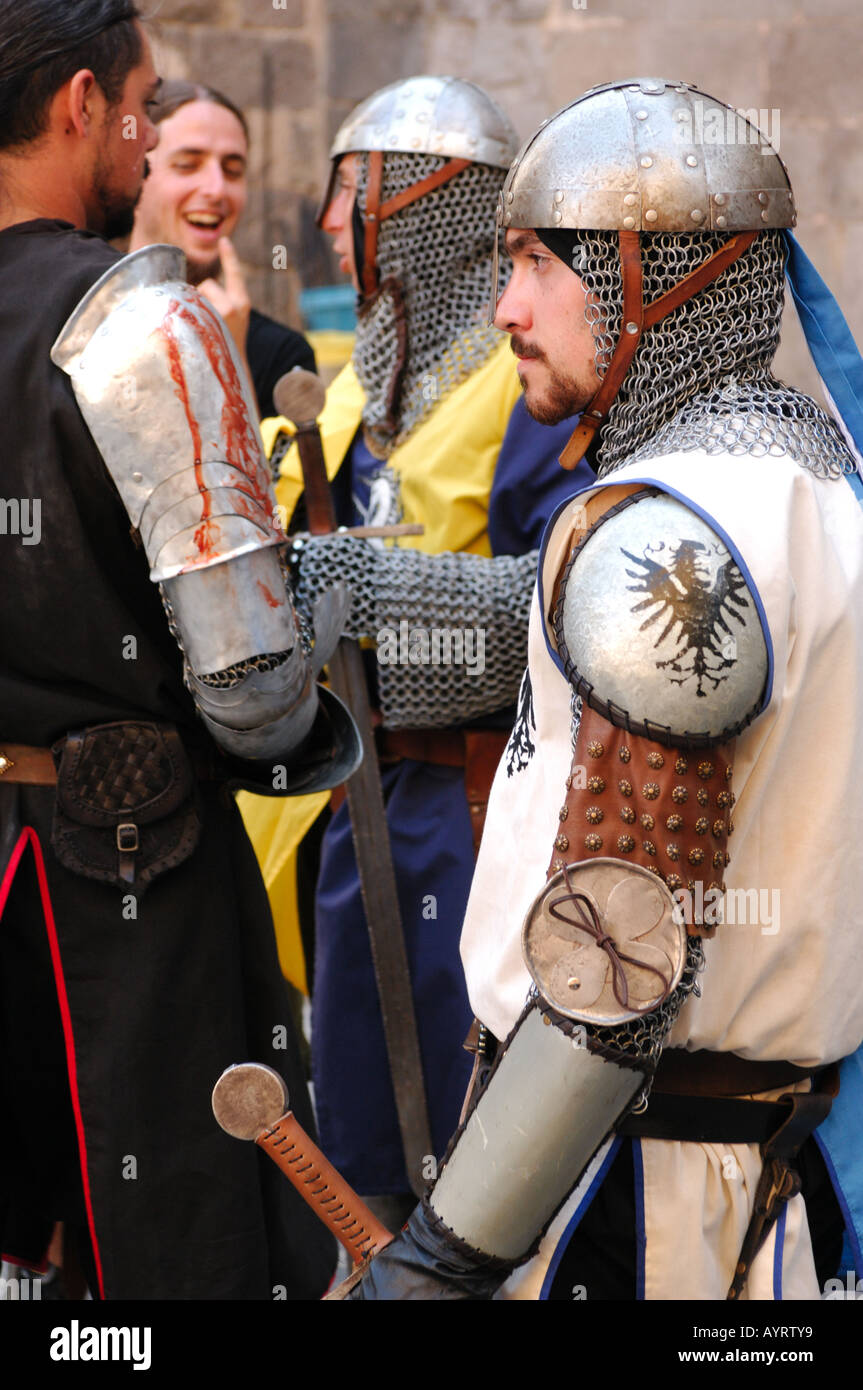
[{"x": 248, "y": 1099}]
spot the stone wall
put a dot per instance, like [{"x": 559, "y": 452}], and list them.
[{"x": 298, "y": 66}]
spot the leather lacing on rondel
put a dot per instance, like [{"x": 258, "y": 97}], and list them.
[{"x": 590, "y": 922}]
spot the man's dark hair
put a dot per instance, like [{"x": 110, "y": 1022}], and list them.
[
  {"x": 176, "y": 92},
  {"x": 43, "y": 43}
]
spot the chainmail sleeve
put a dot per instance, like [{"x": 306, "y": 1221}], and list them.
[{"x": 450, "y": 630}]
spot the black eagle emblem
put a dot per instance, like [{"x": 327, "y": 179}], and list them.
[
  {"x": 520, "y": 748},
  {"x": 695, "y": 597}
]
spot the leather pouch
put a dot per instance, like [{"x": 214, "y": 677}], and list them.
[{"x": 125, "y": 809}]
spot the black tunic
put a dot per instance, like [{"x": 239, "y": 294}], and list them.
[{"x": 160, "y": 1004}]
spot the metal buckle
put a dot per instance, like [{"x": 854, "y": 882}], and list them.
[
  {"x": 127, "y": 838},
  {"x": 5, "y": 763}
]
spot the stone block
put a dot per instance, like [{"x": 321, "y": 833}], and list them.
[
  {"x": 191, "y": 11},
  {"x": 363, "y": 57},
  {"x": 806, "y": 65},
  {"x": 270, "y": 14}
]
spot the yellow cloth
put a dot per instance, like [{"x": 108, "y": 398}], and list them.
[
  {"x": 444, "y": 469},
  {"x": 276, "y": 825},
  {"x": 445, "y": 472}
]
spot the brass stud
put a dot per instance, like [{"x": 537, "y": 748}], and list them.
[
  {"x": 647, "y": 821},
  {"x": 596, "y": 785},
  {"x": 627, "y": 815},
  {"x": 655, "y": 760},
  {"x": 673, "y": 852},
  {"x": 680, "y": 765},
  {"x": 593, "y": 815},
  {"x": 625, "y": 844},
  {"x": 679, "y": 795},
  {"x": 563, "y": 813},
  {"x": 731, "y": 827},
  {"x": 696, "y": 856},
  {"x": 705, "y": 770},
  {"x": 719, "y": 829},
  {"x": 728, "y": 772},
  {"x": 625, "y": 786},
  {"x": 727, "y": 857},
  {"x": 702, "y": 796},
  {"x": 569, "y": 781},
  {"x": 652, "y": 869},
  {"x": 675, "y": 821},
  {"x": 593, "y": 842},
  {"x": 674, "y": 881},
  {"x": 702, "y": 825},
  {"x": 595, "y": 749},
  {"x": 718, "y": 859},
  {"x": 562, "y": 843},
  {"x": 559, "y": 864},
  {"x": 649, "y": 847},
  {"x": 650, "y": 791},
  {"x": 624, "y": 753},
  {"x": 723, "y": 799}
]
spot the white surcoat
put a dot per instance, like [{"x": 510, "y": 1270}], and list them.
[{"x": 784, "y": 983}]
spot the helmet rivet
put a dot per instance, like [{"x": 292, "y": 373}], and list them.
[
  {"x": 697, "y": 215},
  {"x": 629, "y": 223},
  {"x": 507, "y": 219},
  {"x": 646, "y": 161},
  {"x": 630, "y": 199},
  {"x": 641, "y": 115},
  {"x": 765, "y": 215},
  {"x": 651, "y": 215},
  {"x": 681, "y": 115},
  {"x": 558, "y": 197},
  {"x": 721, "y": 221},
  {"x": 632, "y": 328},
  {"x": 558, "y": 216},
  {"x": 762, "y": 197},
  {"x": 509, "y": 197},
  {"x": 691, "y": 161},
  {"x": 719, "y": 200}
]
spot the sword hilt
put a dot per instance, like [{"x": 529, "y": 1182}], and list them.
[{"x": 250, "y": 1101}]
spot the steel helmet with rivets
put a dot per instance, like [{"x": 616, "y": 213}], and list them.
[
  {"x": 430, "y": 155},
  {"x": 445, "y": 116},
  {"x": 647, "y": 156}
]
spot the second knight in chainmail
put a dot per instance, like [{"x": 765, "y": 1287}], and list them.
[
  {"x": 695, "y": 660},
  {"x": 425, "y": 425}
]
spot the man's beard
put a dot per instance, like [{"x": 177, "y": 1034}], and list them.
[
  {"x": 562, "y": 396},
  {"x": 116, "y": 210}
]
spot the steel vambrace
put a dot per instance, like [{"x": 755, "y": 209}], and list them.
[{"x": 168, "y": 404}]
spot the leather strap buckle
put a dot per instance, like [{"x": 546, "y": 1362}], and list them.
[{"x": 127, "y": 838}]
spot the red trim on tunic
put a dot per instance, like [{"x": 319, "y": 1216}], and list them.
[{"x": 28, "y": 835}]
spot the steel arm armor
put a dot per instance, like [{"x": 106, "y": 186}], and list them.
[{"x": 167, "y": 402}]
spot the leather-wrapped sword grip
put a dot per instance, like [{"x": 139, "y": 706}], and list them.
[{"x": 324, "y": 1188}]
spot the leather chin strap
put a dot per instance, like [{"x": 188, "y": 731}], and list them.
[
  {"x": 636, "y": 318},
  {"x": 376, "y": 212}
]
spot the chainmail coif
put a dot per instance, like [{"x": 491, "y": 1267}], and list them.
[
  {"x": 439, "y": 251},
  {"x": 700, "y": 378}
]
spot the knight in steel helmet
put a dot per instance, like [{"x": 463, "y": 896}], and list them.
[
  {"x": 669, "y": 205},
  {"x": 695, "y": 654},
  {"x": 424, "y": 429},
  {"x": 430, "y": 152}
]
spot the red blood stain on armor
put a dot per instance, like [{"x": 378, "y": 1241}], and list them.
[
  {"x": 208, "y": 532},
  {"x": 268, "y": 598},
  {"x": 242, "y": 447},
  {"x": 250, "y": 494}
]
